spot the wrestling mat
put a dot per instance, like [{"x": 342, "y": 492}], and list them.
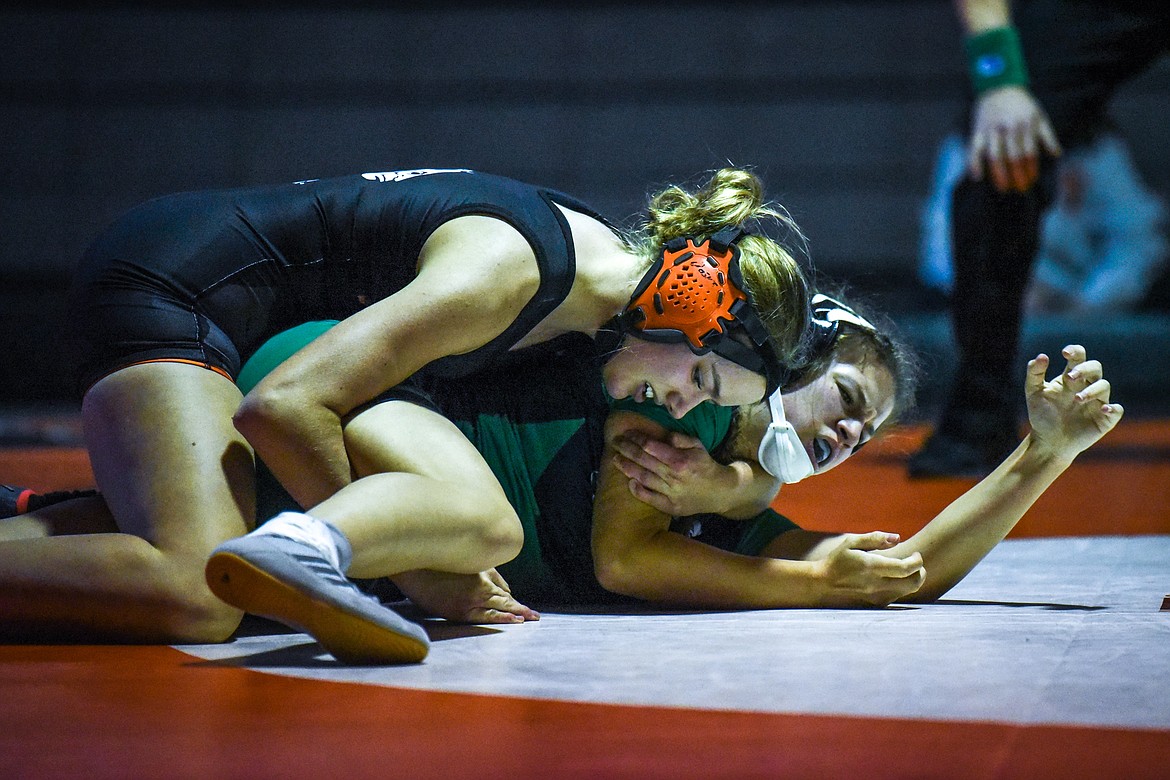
[{"x": 1051, "y": 660}]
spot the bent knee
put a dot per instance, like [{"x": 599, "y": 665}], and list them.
[
  {"x": 501, "y": 534},
  {"x": 205, "y": 620},
  {"x": 196, "y": 616},
  {"x": 496, "y": 528},
  {"x": 187, "y": 611}
]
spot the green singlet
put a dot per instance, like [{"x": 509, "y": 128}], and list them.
[{"x": 538, "y": 420}]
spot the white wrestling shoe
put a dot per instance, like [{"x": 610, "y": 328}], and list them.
[{"x": 292, "y": 582}]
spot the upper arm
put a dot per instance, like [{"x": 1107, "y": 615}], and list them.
[{"x": 475, "y": 275}]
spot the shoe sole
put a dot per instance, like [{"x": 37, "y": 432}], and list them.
[{"x": 349, "y": 638}]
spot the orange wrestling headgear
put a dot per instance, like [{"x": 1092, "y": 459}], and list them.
[{"x": 694, "y": 293}]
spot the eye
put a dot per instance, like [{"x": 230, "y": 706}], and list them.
[{"x": 846, "y": 395}]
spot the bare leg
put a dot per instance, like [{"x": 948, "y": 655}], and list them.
[
  {"x": 88, "y": 515},
  {"x": 424, "y": 497},
  {"x": 178, "y": 480}
]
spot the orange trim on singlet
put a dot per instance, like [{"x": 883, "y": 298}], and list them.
[
  {"x": 22, "y": 500},
  {"x": 216, "y": 369}
]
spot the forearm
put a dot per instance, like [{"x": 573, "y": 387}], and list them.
[
  {"x": 669, "y": 568},
  {"x": 966, "y": 531},
  {"x": 635, "y": 553},
  {"x": 305, "y": 451},
  {"x": 978, "y": 16}
]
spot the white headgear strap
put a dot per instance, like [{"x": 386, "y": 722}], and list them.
[
  {"x": 781, "y": 453},
  {"x": 831, "y": 310}
]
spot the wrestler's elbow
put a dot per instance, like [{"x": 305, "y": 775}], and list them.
[
  {"x": 618, "y": 573},
  {"x": 261, "y": 412}
]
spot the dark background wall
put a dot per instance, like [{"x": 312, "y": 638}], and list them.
[{"x": 838, "y": 105}]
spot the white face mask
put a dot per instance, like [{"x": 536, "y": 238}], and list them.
[{"x": 781, "y": 453}]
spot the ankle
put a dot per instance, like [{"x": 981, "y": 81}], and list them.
[{"x": 315, "y": 532}]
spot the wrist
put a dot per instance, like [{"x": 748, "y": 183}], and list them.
[
  {"x": 738, "y": 474},
  {"x": 822, "y": 590},
  {"x": 995, "y": 59},
  {"x": 1037, "y": 455}
]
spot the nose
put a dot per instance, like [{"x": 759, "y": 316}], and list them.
[
  {"x": 679, "y": 403},
  {"x": 849, "y": 432}
]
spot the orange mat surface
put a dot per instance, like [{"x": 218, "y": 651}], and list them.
[{"x": 153, "y": 712}]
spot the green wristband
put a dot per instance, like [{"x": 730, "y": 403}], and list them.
[{"x": 995, "y": 59}]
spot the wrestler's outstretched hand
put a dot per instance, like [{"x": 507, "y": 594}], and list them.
[
  {"x": 1072, "y": 411},
  {"x": 856, "y": 576},
  {"x": 464, "y": 598}
]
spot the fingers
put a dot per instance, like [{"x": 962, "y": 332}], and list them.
[
  {"x": 1009, "y": 134},
  {"x": 1019, "y": 162},
  {"x": 1081, "y": 376},
  {"x": 905, "y": 586},
  {"x": 1084, "y": 377},
  {"x": 1111, "y": 414},
  {"x": 497, "y": 616},
  {"x": 1048, "y": 138},
  {"x": 884, "y": 565},
  {"x": 640, "y": 474},
  {"x": 874, "y": 540},
  {"x": 899, "y": 568},
  {"x": 634, "y": 450},
  {"x": 889, "y": 579},
  {"x": 975, "y": 154},
  {"x": 672, "y": 453},
  {"x": 1028, "y": 166},
  {"x": 684, "y": 442},
  {"x": 481, "y": 615},
  {"x": 497, "y": 579},
  {"x": 1037, "y": 371},
  {"x": 650, "y": 454},
  {"x": 522, "y": 611},
  {"x": 1084, "y": 374},
  {"x": 1098, "y": 391},
  {"x": 1085, "y": 380},
  {"x": 657, "y": 500},
  {"x": 1074, "y": 355},
  {"x": 1011, "y": 155},
  {"x": 1000, "y": 176}
]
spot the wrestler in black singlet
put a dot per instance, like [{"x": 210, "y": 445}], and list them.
[{"x": 209, "y": 276}]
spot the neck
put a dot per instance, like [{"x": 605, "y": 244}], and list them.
[
  {"x": 607, "y": 273},
  {"x": 612, "y": 276}
]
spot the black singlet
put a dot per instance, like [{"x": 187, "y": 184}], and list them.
[{"x": 209, "y": 276}]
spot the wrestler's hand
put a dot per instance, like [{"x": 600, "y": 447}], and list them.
[
  {"x": 1009, "y": 132},
  {"x": 675, "y": 476},
  {"x": 464, "y": 598},
  {"x": 856, "y": 576},
  {"x": 1070, "y": 412}
]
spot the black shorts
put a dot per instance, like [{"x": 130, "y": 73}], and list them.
[
  {"x": 413, "y": 389},
  {"x": 126, "y": 326}
]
